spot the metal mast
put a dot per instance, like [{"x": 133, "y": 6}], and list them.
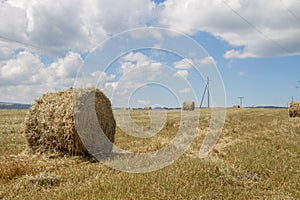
[
  {"x": 241, "y": 101},
  {"x": 208, "y": 94}
]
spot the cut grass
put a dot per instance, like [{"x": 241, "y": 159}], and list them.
[{"x": 257, "y": 157}]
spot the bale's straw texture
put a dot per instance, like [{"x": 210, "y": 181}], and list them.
[
  {"x": 49, "y": 125},
  {"x": 147, "y": 108},
  {"x": 188, "y": 105},
  {"x": 294, "y": 110},
  {"x": 236, "y": 106}
]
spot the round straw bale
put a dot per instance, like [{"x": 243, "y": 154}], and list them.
[
  {"x": 236, "y": 106},
  {"x": 147, "y": 108},
  {"x": 294, "y": 109},
  {"x": 188, "y": 105},
  {"x": 49, "y": 125}
]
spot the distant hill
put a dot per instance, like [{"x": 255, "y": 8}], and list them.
[
  {"x": 279, "y": 107},
  {"x": 10, "y": 106}
]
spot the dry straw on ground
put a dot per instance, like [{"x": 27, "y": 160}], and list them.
[
  {"x": 188, "y": 105},
  {"x": 49, "y": 126},
  {"x": 294, "y": 110},
  {"x": 44, "y": 179},
  {"x": 236, "y": 106}
]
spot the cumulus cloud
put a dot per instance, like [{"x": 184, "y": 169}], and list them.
[
  {"x": 207, "y": 60},
  {"x": 136, "y": 65},
  {"x": 21, "y": 69},
  {"x": 5, "y": 52},
  {"x": 241, "y": 73},
  {"x": 143, "y": 102},
  {"x": 134, "y": 69},
  {"x": 67, "y": 66},
  {"x": 65, "y": 30},
  {"x": 184, "y": 64},
  {"x": 26, "y": 73},
  {"x": 181, "y": 74},
  {"x": 185, "y": 90},
  {"x": 111, "y": 85},
  {"x": 59, "y": 26},
  {"x": 132, "y": 61},
  {"x": 273, "y": 30},
  {"x": 13, "y": 22}
]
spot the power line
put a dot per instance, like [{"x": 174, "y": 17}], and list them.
[
  {"x": 290, "y": 11},
  {"x": 255, "y": 28},
  {"x": 16, "y": 41},
  {"x": 28, "y": 45}
]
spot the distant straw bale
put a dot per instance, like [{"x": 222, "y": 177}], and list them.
[
  {"x": 147, "y": 108},
  {"x": 294, "y": 110},
  {"x": 188, "y": 105},
  {"x": 236, "y": 106},
  {"x": 49, "y": 125}
]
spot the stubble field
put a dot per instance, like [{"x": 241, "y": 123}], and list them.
[{"x": 257, "y": 157}]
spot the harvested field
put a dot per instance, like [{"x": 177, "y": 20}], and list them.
[{"x": 257, "y": 157}]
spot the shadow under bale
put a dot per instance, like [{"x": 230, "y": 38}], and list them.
[{"x": 50, "y": 125}]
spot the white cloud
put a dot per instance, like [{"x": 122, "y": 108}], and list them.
[
  {"x": 13, "y": 22},
  {"x": 135, "y": 69},
  {"x": 66, "y": 29},
  {"x": 183, "y": 64},
  {"x": 185, "y": 90},
  {"x": 181, "y": 74},
  {"x": 132, "y": 61},
  {"x": 6, "y": 51},
  {"x": 208, "y": 60},
  {"x": 21, "y": 69},
  {"x": 67, "y": 66},
  {"x": 145, "y": 33},
  {"x": 58, "y": 27},
  {"x": 27, "y": 74},
  {"x": 241, "y": 73},
  {"x": 238, "y": 54},
  {"x": 276, "y": 31},
  {"x": 143, "y": 102},
  {"x": 98, "y": 79},
  {"x": 111, "y": 85},
  {"x": 60, "y": 73},
  {"x": 139, "y": 65}
]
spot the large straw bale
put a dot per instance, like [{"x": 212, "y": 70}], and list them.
[
  {"x": 294, "y": 110},
  {"x": 236, "y": 106},
  {"x": 188, "y": 105},
  {"x": 49, "y": 125}
]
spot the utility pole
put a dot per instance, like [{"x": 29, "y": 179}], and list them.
[
  {"x": 208, "y": 94},
  {"x": 241, "y": 101}
]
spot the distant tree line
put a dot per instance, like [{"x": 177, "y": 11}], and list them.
[{"x": 10, "y": 106}]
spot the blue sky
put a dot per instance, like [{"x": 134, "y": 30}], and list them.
[
  {"x": 255, "y": 48},
  {"x": 262, "y": 81}
]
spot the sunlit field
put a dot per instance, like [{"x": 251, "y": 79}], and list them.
[{"x": 256, "y": 157}]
